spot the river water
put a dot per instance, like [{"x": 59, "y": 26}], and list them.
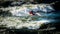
[{"x": 19, "y": 21}]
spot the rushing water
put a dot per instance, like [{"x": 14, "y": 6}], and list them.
[{"x": 21, "y": 18}]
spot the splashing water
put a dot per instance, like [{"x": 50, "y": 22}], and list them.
[{"x": 24, "y": 19}]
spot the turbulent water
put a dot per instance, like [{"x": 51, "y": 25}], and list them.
[{"x": 21, "y": 18}]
